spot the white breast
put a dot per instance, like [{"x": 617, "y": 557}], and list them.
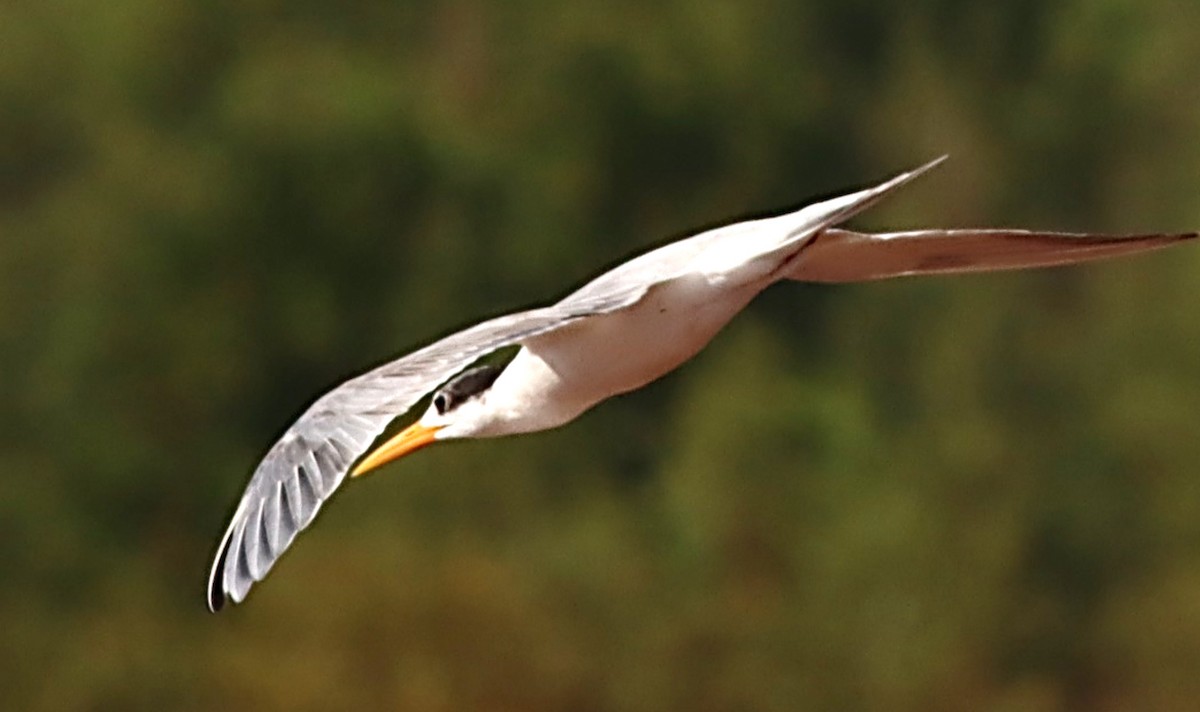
[{"x": 556, "y": 377}]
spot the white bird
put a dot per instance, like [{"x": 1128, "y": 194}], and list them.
[{"x": 617, "y": 333}]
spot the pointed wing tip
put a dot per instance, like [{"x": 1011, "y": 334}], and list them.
[
  {"x": 906, "y": 177},
  {"x": 255, "y": 539},
  {"x": 215, "y": 594},
  {"x": 1165, "y": 239},
  {"x": 927, "y": 166},
  {"x": 215, "y": 598}
]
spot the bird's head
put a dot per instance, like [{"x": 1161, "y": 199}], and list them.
[{"x": 458, "y": 409}]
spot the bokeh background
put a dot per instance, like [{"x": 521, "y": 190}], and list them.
[{"x": 971, "y": 493}]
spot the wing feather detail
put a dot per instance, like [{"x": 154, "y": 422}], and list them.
[{"x": 308, "y": 463}]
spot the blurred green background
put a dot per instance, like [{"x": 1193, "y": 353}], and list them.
[{"x": 972, "y": 493}]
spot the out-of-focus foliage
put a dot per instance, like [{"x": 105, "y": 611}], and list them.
[{"x": 946, "y": 494}]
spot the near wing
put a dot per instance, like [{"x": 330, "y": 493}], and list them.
[
  {"x": 847, "y": 256},
  {"x": 312, "y": 458}
]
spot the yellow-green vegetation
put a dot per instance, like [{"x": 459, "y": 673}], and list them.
[{"x": 972, "y": 493}]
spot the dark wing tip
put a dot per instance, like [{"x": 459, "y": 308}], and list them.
[
  {"x": 1164, "y": 237},
  {"x": 216, "y": 586},
  {"x": 1170, "y": 237}
]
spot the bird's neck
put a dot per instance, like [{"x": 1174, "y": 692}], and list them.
[{"x": 530, "y": 396}]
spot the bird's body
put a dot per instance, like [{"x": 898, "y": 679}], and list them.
[
  {"x": 615, "y": 334},
  {"x": 558, "y": 375},
  {"x": 569, "y": 370}
]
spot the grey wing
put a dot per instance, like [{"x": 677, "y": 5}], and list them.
[
  {"x": 847, "y": 256},
  {"x": 311, "y": 459}
]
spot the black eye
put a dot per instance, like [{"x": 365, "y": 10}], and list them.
[{"x": 440, "y": 403}]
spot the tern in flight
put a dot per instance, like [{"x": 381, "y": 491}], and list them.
[{"x": 617, "y": 333}]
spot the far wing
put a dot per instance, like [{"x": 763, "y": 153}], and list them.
[
  {"x": 312, "y": 458},
  {"x": 846, "y": 256}
]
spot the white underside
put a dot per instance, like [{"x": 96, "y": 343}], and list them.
[
  {"x": 694, "y": 287},
  {"x": 570, "y": 370}
]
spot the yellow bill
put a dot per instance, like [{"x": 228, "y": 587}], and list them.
[{"x": 414, "y": 437}]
